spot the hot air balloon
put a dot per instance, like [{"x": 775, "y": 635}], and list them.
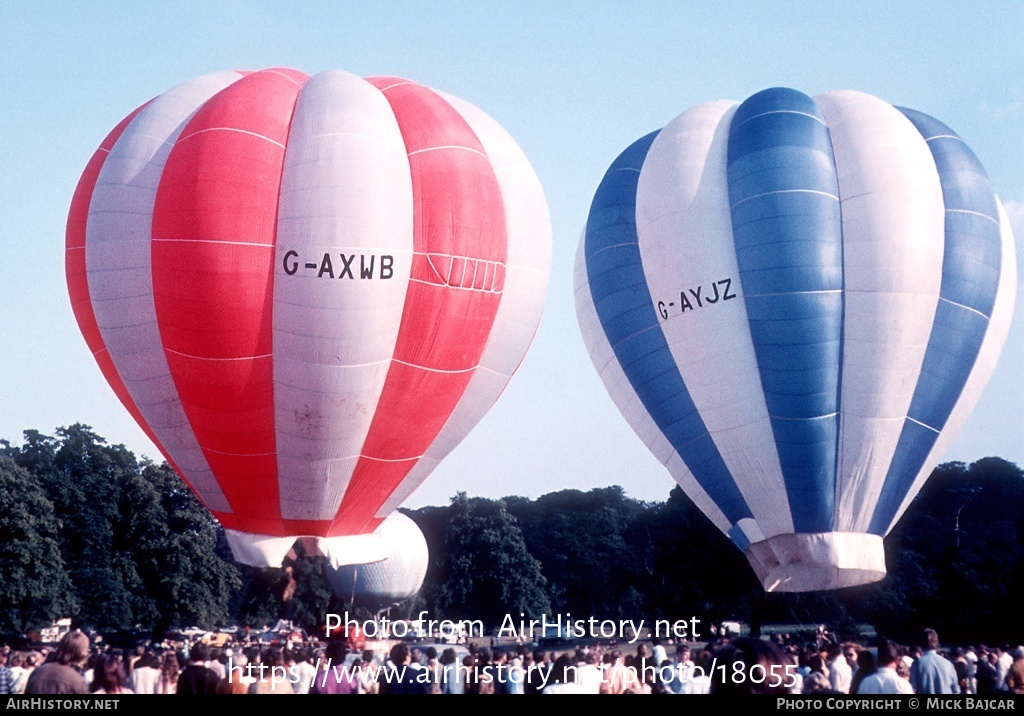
[
  {"x": 796, "y": 302},
  {"x": 385, "y": 583},
  {"x": 307, "y": 291}
]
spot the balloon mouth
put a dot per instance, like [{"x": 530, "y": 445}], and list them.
[
  {"x": 269, "y": 551},
  {"x": 807, "y": 562}
]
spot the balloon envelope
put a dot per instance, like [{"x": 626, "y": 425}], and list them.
[
  {"x": 391, "y": 580},
  {"x": 306, "y": 290},
  {"x": 795, "y": 302}
]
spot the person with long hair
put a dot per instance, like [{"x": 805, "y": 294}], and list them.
[
  {"x": 170, "y": 670},
  {"x": 63, "y": 675},
  {"x": 108, "y": 676}
]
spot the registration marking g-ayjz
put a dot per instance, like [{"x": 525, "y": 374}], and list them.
[{"x": 688, "y": 297}]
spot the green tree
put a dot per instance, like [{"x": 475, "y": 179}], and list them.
[
  {"x": 172, "y": 540},
  {"x": 594, "y": 548},
  {"x": 484, "y": 571},
  {"x": 695, "y": 570},
  {"x": 956, "y": 558},
  {"x": 139, "y": 547},
  {"x": 260, "y": 601},
  {"x": 83, "y": 482},
  {"x": 34, "y": 586}
]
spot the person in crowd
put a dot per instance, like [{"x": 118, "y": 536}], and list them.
[
  {"x": 238, "y": 680},
  {"x": 213, "y": 663},
  {"x": 537, "y": 673},
  {"x": 961, "y": 666},
  {"x": 562, "y": 678},
  {"x": 971, "y": 656},
  {"x": 499, "y": 670},
  {"x": 932, "y": 673},
  {"x": 132, "y": 659},
  {"x": 484, "y": 682},
  {"x": 1003, "y": 661},
  {"x": 31, "y": 662},
  {"x": 851, "y": 651},
  {"x": 196, "y": 678},
  {"x": 7, "y": 677},
  {"x": 471, "y": 673},
  {"x": 615, "y": 676},
  {"x": 865, "y": 667},
  {"x": 273, "y": 675},
  {"x": 682, "y": 671},
  {"x": 369, "y": 671},
  {"x": 658, "y": 652},
  {"x": 817, "y": 680},
  {"x": 840, "y": 673},
  {"x": 903, "y": 665},
  {"x": 433, "y": 665},
  {"x": 335, "y": 677},
  {"x": 63, "y": 675},
  {"x": 643, "y": 678},
  {"x": 109, "y": 677},
  {"x": 1015, "y": 676},
  {"x": 886, "y": 680},
  {"x": 986, "y": 671},
  {"x": 145, "y": 674},
  {"x": 803, "y": 655},
  {"x": 643, "y": 657},
  {"x": 402, "y": 676},
  {"x": 16, "y": 663},
  {"x": 740, "y": 656},
  {"x": 451, "y": 679},
  {"x": 302, "y": 671},
  {"x": 700, "y": 676},
  {"x": 90, "y": 666},
  {"x": 589, "y": 674},
  {"x": 170, "y": 670},
  {"x": 517, "y": 676}
]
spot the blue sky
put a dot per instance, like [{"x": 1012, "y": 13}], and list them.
[{"x": 573, "y": 82}]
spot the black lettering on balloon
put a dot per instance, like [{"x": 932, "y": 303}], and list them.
[
  {"x": 690, "y": 299},
  {"x": 696, "y": 294},
  {"x": 326, "y": 267},
  {"x": 725, "y": 294},
  {"x": 365, "y": 272},
  {"x": 708, "y": 299},
  {"x": 290, "y": 263},
  {"x": 346, "y": 266}
]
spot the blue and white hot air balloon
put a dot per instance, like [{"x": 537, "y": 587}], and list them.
[
  {"x": 796, "y": 302},
  {"x": 385, "y": 583}
]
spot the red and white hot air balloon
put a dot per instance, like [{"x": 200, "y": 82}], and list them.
[{"x": 307, "y": 290}]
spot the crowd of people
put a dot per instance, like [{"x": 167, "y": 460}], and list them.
[{"x": 745, "y": 665}]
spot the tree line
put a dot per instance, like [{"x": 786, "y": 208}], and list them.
[{"x": 88, "y": 531}]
